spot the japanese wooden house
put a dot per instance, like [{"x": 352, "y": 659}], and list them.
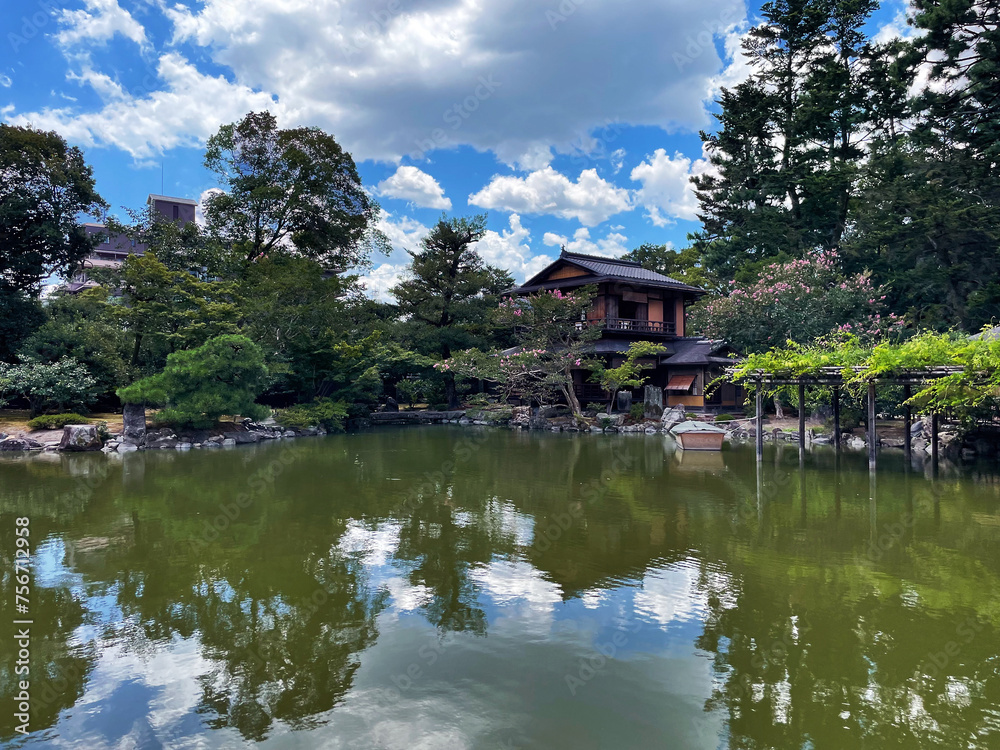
[{"x": 633, "y": 303}]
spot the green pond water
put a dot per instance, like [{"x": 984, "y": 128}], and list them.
[{"x": 450, "y": 587}]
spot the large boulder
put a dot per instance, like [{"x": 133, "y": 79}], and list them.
[
  {"x": 671, "y": 418},
  {"x": 624, "y": 400},
  {"x": 19, "y": 444},
  {"x": 80, "y": 437},
  {"x": 391, "y": 405},
  {"x": 521, "y": 417},
  {"x": 134, "y": 422},
  {"x": 652, "y": 402}
]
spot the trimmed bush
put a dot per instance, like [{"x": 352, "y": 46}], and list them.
[
  {"x": 56, "y": 421},
  {"x": 637, "y": 412},
  {"x": 724, "y": 417},
  {"x": 221, "y": 377},
  {"x": 323, "y": 412}
]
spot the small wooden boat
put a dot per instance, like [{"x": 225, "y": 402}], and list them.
[{"x": 699, "y": 436}]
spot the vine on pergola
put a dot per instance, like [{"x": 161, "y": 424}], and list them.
[{"x": 949, "y": 372}]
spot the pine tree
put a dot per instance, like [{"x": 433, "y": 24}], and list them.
[{"x": 451, "y": 290}]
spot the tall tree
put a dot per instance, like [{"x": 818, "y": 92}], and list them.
[
  {"x": 928, "y": 223},
  {"x": 790, "y": 137},
  {"x": 292, "y": 190},
  {"x": 45, "y": 186},
  {"x": 450, "y": 292}
]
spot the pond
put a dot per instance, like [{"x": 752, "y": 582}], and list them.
[{"x": 462, "y": 587}]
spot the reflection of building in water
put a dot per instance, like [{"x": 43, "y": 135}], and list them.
[{"x": 112, "y": 250}]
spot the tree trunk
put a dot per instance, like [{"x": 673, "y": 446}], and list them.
[
  {"x": 572, "y": 400},
  {"x": 450, "y": 392}
]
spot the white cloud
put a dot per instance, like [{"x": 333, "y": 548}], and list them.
[
  {"x": 510, "y": 250},
  {"x": 462, "y": 71},
  {"x": 417, "y": 187},
  {"x": 5, "y": 81},
  {"x": 185, "y": 112},
  {"x": 666, "y": 192},
  {"x": 199, "y": 210},
  {"x": 98, "y": 23},
  {"x": 403, "y": 234},
  {"x": 590, "y": 199},
  {"x": 382, "y": 278},
  {"x": 613, "y": 245}
]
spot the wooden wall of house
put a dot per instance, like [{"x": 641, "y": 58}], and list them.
[
  {"x": 679, "y": 315},
  {"x": 686, "y": 400},
  {"x": 566, "y": 272},
  {"x": 655, "y": 307}
]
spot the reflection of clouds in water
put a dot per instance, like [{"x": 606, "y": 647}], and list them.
[
  {"x": 142, "y": 700},
  {"x": 526, "y": 598},
  {"x": 372, "y": 545},
  {"x": 671, "y": 594}
]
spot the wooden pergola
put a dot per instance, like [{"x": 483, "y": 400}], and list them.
[{"x": 833, "y": 377}]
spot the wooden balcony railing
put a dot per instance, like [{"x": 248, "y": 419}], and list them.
[{"x": 634, "y": 326}]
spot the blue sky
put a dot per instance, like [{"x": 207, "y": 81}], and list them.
[{"x": 568, "y": 121}]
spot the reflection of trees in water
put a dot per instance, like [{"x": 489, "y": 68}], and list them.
[
  {"x": 284, "y": 659},
  {"x": 59, "y": 667},
  {"x": 819, "y": 641},
  {"x": 814, "y": 642}
]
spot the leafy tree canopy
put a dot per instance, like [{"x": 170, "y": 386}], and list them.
[
  {"x": 285, "y": 191},
  {"x": 221, "y": 377}
]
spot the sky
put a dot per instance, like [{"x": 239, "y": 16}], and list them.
[{"x": 568, "y": 122}]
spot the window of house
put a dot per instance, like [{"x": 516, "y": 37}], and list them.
[
  {"x": 177, "y": 212},
  {"x": 633, "y": 310}
]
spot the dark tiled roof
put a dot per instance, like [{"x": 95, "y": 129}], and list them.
[
  {"x": 604, "y": 269},
  {"x": 697, "y": 351}
]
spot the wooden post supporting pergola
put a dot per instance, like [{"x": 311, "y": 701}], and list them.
[
  {"x": 836, "y": 417},
  {"x": 872, "y": 432},
  {"x": 934, "y": 440},
  {"x": 907, "y": 424},
  {"x": 759, "y": 431},
  {"x": 802, "y": 416},
  {"x": 834, "y": 378}
]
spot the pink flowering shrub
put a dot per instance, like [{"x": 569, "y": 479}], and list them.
[{"x": 796, "y": 301}]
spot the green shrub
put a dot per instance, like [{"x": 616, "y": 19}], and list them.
[
  {"x": 65, "y": 384},
  {"x": 637, "y": 412},
  {"x": 56, "y": 421},
  {"x": 440, "y": 407},
  {"x": 724, "y": 417},
  {"x": 604, "y": 422},
  {"x": 594, "y": 407},
  {"x": 477, "y": 399},
  {"x": 103, "y": 432},
  {"x": 690, "y": 415},
  {"x": 323, "y": 412},
  {"x": 223, "y": 376}
]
